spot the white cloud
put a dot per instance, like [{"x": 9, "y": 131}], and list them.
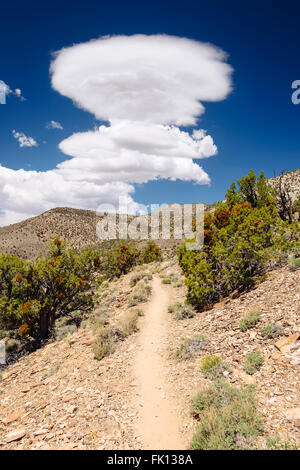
[
  {"x": 53, "y": 125},
  {"x": 145, "y": 87},
  {"x": 135, "y": 152},
  {"x": 159, "y": 78},
  {"x": 23, "y": 140},
  {"x": 27, "y": 193},
  {"x": 5, "y": 88},
  {"x": 18, "y": 93}
]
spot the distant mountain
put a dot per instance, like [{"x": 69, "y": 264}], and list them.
[{"x": 28, "y": 238}]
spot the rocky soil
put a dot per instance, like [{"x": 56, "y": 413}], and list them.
[
  {"x": 60, "y": 397},
  {"x": 277, "y": 383}
]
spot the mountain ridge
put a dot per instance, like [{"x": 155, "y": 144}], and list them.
[{"x": 28, "y": 238}]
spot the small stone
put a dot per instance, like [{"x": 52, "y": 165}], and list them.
[
  {"x": 13, "y": 417},
  {"x": 72, "y": 409},
  {"x": 285, "y": 344},
  {"x": 15, "y": 435},
  {"x": 40, "y": 432},
  {"x": 292, "y": 413}
]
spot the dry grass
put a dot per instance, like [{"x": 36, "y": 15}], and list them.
[
  {"x": 140, "y": 294},
  {"x": 129, "y": 322},
  {"x": 181, "y": 311},
  {"x": 227, "y": 418},
  {"x": 249, "y": 321}
]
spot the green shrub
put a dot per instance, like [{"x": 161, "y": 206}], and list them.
[
  {"x": 138, "y": 311},
  {"x": 235, "y": 427},
  {"x": 272, "y": 330},
  {"x": 98, "y": 318},
  {"x": 34, "y": 295},
  {"x": 172, "y": 308},
  {"x": 141, "y": 294},
  {"x": 172, "y": 276},
  {"x": 296, "y": 207},
  {"x": 64, "y": 331},
  {"x": 212, "y": 367},
  {"x": 208, "y": 362},
  {"x": 294, "y": 263},
  {"x": 98, "y": 323},
  {"x": 119, "y": 260},
  {"x": 242, "y": 238},
  {"x": 227, "y": 418},
  {"x": 84, "y": 324},
  {"x": 192, "y": 347},
  {"x": 7, "y": 334},
  {"x": 135, "y": 279},
  {"x": 166, "y": 280},
  {"x": 276, "y": 443},
  {"x": 62, "y": 321},
  {"x": 104, "y": 343},
  {"x": 181, "y": 311},
  {"x": 12, "y": 345},
  {"x": 74, "y": 318},
  {"x": 150, "y": 253},
  {"x": 129, "y": 322},
  {"x": 120, "y": 257},
  {"x": 139, "y": 276},
  {"x": 249, "y": 321},
  {"x": 253, "y": 362},
  {"x": 219, "y": 394}
]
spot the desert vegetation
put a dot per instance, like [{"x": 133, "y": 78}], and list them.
[
  {"x": 192, "y": 347},
  {"x": 213, "y": 367},
  {"x": 140, "y": 294},
  {"x": 181, "y": 311},
  {"x": 101, "y": 290},
  {"x": 253, "y": 362},
  {"x": 249, "y": 320},
  {"x": 243, "y": 237},
  {"x": 227, "y": 418},
  {"x": 57, "y": 291}
]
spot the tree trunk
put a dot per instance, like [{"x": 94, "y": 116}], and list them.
[{"x": 46, "y": 323}]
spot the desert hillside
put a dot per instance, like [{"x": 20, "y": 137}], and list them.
[
  {"x": 61, "y": 397},
  {"x": 28, "y": 238},
  {"x": 146, "y": 346}
]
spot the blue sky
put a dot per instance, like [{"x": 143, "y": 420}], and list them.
[{"x": 255, "y": 126}]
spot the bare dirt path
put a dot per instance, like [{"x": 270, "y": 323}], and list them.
[{"x": 159, "y": 422}]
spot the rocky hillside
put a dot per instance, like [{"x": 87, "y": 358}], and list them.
[
  {"x": 27, "y": 239},
  {"x": 61, "y": 397},
  {"x": 291, "y": 182}
]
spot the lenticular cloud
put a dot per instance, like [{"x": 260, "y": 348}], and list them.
[
  {"x": 160, "y": 79},
  {"x": 144, "y": 89}
]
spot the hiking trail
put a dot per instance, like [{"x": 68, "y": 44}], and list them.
[{"x": 159, "y": 422}]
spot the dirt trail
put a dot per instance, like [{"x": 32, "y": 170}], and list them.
[{"x": 159, "y": 422}]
